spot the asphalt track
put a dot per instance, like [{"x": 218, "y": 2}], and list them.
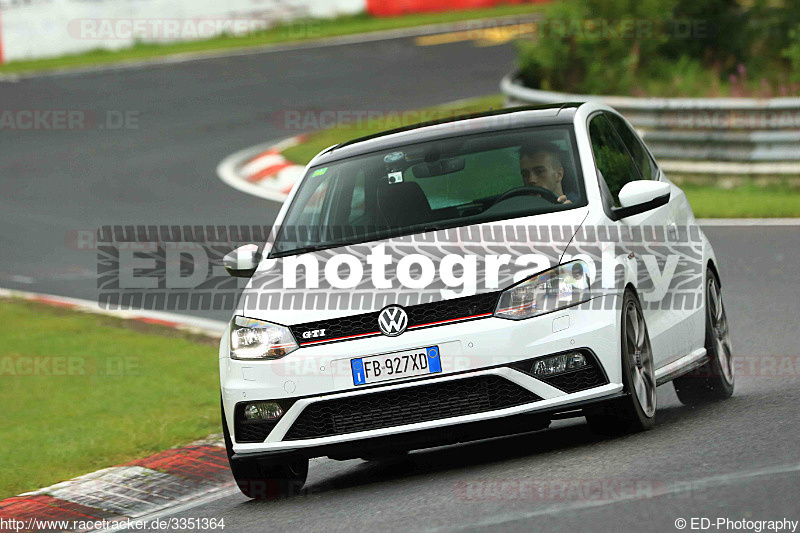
[
  {"x": 189, "y": 116},
  {"x": 737, "y": 459}
]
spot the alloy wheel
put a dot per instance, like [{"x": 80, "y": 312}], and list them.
[{"x": 638, "y": 351}]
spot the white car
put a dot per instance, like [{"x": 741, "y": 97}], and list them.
[{"x": 475, "y": 277}]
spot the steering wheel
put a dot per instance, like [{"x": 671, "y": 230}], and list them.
[{"x": 528, "y": 190}]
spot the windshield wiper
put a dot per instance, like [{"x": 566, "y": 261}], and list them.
[
  {"x": 308, "y": 249},
  {"x": 389, "y": 234},
  {"x": 434, "y": 227}
]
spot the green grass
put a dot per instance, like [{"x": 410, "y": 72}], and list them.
[
  {"x": 122, "y": 393},
  {"x": 285, "y": 33},
  {"x": 745, "y": 201},
  {"x": 304, "y": 152},
  {"x": 689, "y": 78}
]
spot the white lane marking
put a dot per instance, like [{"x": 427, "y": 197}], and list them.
[
  {"x": 204, "y": 326},
  {"x": 683, "y": 486},
  {"x": 748, "y": 221},
  {"x": 287, "y": 177},
  {"x": 358, "y": 38}
]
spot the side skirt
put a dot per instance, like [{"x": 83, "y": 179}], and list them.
[{"x": 681, "y": 366}]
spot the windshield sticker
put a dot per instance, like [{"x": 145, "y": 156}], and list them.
[
  {"x": 394, "y": 157},
  {"x": 319, "y": 172}
]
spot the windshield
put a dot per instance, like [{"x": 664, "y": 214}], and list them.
[{"x": 446, "y": 183}]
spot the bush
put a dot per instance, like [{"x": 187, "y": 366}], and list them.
[
  {"x": 688, "y": 76},
  {"x": 594, "y": 46},
  {"x": 689, "y": 45},
  {"x": 792, "y": 52},
  {"x": 719, "y": 34},
  {"x": 770, "y": 22}
]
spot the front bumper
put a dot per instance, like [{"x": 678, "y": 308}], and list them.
[
  {"x": 484, "y": 347},
  {"x": 443, "y": 435}
]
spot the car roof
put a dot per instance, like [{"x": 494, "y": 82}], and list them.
[{"x": 489, "y": 121}]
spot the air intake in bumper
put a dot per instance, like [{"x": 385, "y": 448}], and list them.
[
  {"x": 409, "y": 405},
  {"x": 572, "y": 380}
]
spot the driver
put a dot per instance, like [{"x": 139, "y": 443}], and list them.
[{"x": 540, "y": 166}]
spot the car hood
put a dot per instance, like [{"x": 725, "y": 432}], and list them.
[{"x": 409, "y": 270}]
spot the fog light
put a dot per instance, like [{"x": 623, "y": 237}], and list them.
[
  {"x": 558, "y": 364},
  {"x": 262, "y": 411}
]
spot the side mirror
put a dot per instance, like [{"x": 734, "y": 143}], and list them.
[
  {"x": 642, "y": 195},
  {"x": 243, "y": 261}
]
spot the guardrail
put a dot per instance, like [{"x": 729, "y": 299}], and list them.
[{"x": 702, "y": 135}]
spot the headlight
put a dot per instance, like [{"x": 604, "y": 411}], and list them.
[
  {"x": 559, "y": 287},
  {"x": 256, "y": 339}
]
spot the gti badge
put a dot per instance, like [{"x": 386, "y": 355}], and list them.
[
  {"x": 310, "y": 334},
  {"x": 393, "y": 321}
]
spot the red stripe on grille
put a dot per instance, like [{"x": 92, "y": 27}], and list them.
[
  {"x": 451, "y": 320},
  {"x": 410, "y": 327},
  {"x": 340, "y": 338}
]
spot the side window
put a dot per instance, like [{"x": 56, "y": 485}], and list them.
[
  {"x": 611, "y": 156},
  {"x": 635, "y": 147}
]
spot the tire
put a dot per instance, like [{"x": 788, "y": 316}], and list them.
[
  {"x": 715, "y": 379},
  {"x": 265, "y": 481},
  {"x": 636, "y": 411}
]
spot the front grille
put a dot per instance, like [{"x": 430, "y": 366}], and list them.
[
  {"x": 579, "y": 380},
  {"x": 422, "y": 315},
  {"x": 573, "y": 381},
  {"x": 252, "y": 431},
  {"x": 408, "y": 406}
]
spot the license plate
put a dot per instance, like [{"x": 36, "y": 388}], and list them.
[{"x": 419, "y": 362}]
